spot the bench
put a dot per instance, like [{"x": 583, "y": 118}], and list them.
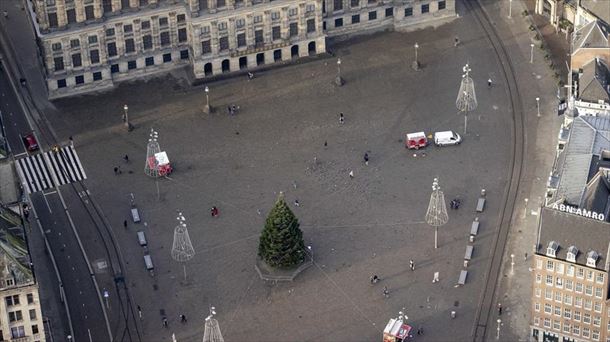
[
  {"x": 474, "y": 228},
  {"x": 462, "y": 279},
  {"x": 135, "y": 215},
  {"x": 468, "y": 254},
  {"x": 480, "y": 205}
]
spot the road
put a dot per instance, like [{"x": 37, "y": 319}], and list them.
[{"x": 88, "y": 322}]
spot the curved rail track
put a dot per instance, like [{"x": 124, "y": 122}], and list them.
[{"x": 486, "y": 301}]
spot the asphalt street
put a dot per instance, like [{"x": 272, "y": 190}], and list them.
[{"x": 76, "y": 284}]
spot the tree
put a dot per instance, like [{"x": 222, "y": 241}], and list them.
[{"x": 281, "y": 242}]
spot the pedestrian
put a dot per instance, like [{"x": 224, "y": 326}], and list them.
[
  {"x": 296, "y": 202},
  {"x": 116, "y": 170},
  {"x": 386, "y": 293},
  {"x": 250, "y": 76},
  {"x": 525, "y": 256},
  {"x": 489, "y": 83},
  {"x": 125, "y": 224},
  {"x": 351, "y": 174},
  {"x": 499, "y": 309},
  {"x": 420, "y": 331},
  {"x": 374, "y": 279},
  {"x": 457, "y": 41},
  {"x": 366, "y": 158},
  {"x": 325, "y": 144},
  {"x": 5, "y": 13},
  {"x": 165, "y": 322},
  {"x": 229, "y": 110},
  {"x": 140, "y": 312},
  {"x": 412, "y": 265},
  {"x": 71, "y": 141},
  {"x": 182, "y": 318},
  {"x": 214, "y": 211},
  {"x": 126, "y": 158},
  {"x": 341, "y": 118}
]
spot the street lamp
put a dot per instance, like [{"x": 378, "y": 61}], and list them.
[
  {"x": 510, "y": 8},
  {"x": 207, "y": 109},
  {"x": 416, "y": 62},
  {"x": 512, "y": 264},
  {"x": 532, "y": 53},
  {"x": 538, "y": 105},
  {"x": 498, "y": 329},
  {"x": 339, "y": 80},
  {"x": 128, "y": 125}
]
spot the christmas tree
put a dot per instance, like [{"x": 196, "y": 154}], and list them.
[{"x": 281, "y": 243}]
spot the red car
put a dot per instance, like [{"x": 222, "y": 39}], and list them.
[{"x": 29, "y": 140}]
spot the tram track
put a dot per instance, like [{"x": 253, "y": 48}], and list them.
[{"x": 486, "y": 306}]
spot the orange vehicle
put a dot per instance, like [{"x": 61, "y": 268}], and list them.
[{"x": 416, "y": 140}]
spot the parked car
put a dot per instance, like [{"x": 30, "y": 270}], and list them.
[
  {"x": 30, "y": 142},
  {"x": 446, "y": 138}
]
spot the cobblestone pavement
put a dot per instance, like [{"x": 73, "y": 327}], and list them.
[{"x": 357, "y": 227}]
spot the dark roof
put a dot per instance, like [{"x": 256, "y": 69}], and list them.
[
  {"x": 597, "y": 193},
  {"x": 572, "y": 230},
  {"x": 593, "y": 82},
  {"x": 593, "y": 35},
  {"x": 599, "y": 8}
]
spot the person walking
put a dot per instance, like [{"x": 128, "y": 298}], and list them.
[
  {"x": 325, "y": 144},
  {"x": 126, "y": 158},
  {"x": 456, "y": 41},
  {"x": 140, "y": 312},
  {"x": 165, "y": 322},
  {"x": 296, "y": 203},
  {"x": 499, "y": 309},
  {"x": 341, "y": 118},
  {"x": 351, "y": 174},
  {"x": 374, "y": 279},
  {"x": 125, "y": 224},
  {"x": 412, "y": 265},
  {"x": 489, "y": 83},
  {"x": 366, "y": 158},
  {"x": 182, "y": 318},
  {"x": 214, "y": 211},
  {"x": 71, "y": 141}
]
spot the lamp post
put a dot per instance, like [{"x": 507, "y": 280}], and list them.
[
  {"x": 510, "y": 9},
  {"x": 498, "y": 329},
  {"x": 538, "y": 106},
  {"x": 339, "y": 81},
  {"x": 512, "y": 264},
  {"x": 532, "y": 53},
  {"x": 128, "y": 125},
  {"x": 416, "y": 61},
  {"x": 207, "y": 109}
]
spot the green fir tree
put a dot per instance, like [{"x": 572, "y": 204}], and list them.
[{"x": 281, "y": 243}]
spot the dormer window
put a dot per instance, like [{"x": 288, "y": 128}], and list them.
[
  {"x": 572, "y": 254},
  {"x": 592, "y": 257},
  {"x": 551, "y": 250}
]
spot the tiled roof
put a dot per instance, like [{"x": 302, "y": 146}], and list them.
[
  {"x": 591, "y": 35},
  {"x": 593, "y": 82},
  {"x": 567, "y": 230},
  {"x": 599, "y": 8}
]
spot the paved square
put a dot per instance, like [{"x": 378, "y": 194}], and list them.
[{"x": 372, "y": 224}]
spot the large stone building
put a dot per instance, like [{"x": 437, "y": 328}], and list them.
[{"x": 92, "y": 44}]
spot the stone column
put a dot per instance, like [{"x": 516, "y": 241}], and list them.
[
  {"x": 134, "y": 3},
  {"x": 267, "y": 36},
  {"x": 214, "y": 37},
  {"x": 248, "y": 2},
  {"x": 302, "y": 22},
  {"x": 98, "y": 11},
  {"x": 232, "y": 35},
  {"x": 249, "y": 30},
  {"x": 62, "y": 19},
  {"x": 116, "y": 5},
  {"x": 194, "y": 7},
  {"x": 120, "y": 41},
  {"x": 79, "y": 7},
  {"x": 285, "y": 23},
  {"x": 212, "y": 6},
  {"x": 230, "y": 4}
]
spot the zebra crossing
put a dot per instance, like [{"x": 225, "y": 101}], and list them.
[{"x": 50, "y": 169}]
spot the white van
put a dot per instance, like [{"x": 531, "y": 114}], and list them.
[{"x": 447, "y": 138}]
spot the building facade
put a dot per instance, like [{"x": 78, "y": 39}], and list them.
[
  {"x": 21, "y": 317},
  {"x": 570, "y": 286},
  {"x": 89, "y": 45}
]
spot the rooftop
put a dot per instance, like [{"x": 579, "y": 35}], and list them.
[
  {"x": 593, "y": 35},
  {"x": 582, "y": 157},
  {"x": 599, "y": 8},
  {"x": 566, "y": 230},
  {"x": 593, "y": 82}
]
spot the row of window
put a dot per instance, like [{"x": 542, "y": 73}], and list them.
[
  {"x": 569, "y": 284},
  {"x": 223, "y": 42},
  {"x": 425, "y": 8},
  {"x": 571, "y": 270},
  {"x": 567, "y": 299},
  {"x": 568, "y": 314},
  {"x": 568, "y": 328},
  {"x": 16, "y": 316},
  {"x": 17, "y": 332},
  {"x": 14, "y": 299},
  {"x": 114, "y": 68}
]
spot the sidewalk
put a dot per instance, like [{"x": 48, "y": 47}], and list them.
[{"x": 537, "y": 79}]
